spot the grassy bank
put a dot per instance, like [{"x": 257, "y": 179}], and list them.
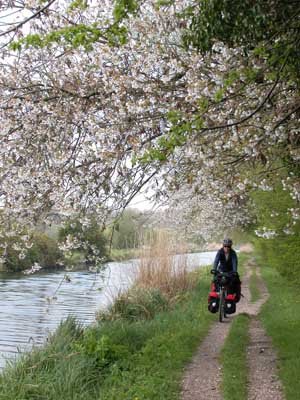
[
  {"x": 122, "y": 359},
  {"x": 281, "y": 318}
]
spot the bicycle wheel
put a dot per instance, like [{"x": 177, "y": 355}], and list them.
[
  {"x": 222, "y": 305},
  {"x": 224, "y": 308}
]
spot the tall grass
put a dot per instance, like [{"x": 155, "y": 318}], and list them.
[
  {"x": 162, "y": 269},
  {"x": 160, "y": 281}
]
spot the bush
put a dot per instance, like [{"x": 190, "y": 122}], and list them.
[
  {"x": 44, "y": 251},
  {"x": 281, "y": 250},
  {"x": 92, "y": 241},
  {"x": 136, "y": 304},
  {"x": 99, "y": 349}
]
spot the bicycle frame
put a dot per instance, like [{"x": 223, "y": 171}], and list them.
[{"x": 222, "y": 281}]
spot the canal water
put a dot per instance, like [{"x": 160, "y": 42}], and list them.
[{"x": 31, "y": 307}]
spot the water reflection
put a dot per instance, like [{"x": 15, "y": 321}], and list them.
[{"x": 32, "y": 306}]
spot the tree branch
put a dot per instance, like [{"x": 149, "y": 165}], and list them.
[{"x": 36, "y": 14}]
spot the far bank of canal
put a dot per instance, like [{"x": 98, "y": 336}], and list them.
[{"x": 32, "y": 306}]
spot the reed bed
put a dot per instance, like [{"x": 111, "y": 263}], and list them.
[
  {"x": 160, "y": 281},
  {"x": 164, "y": 267}
]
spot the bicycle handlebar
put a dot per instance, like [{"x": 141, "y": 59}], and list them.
[{"x": 228, "y": 273}]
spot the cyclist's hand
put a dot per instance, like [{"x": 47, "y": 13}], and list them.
[{"x": 213, "y": 272}]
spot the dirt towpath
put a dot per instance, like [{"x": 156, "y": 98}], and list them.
[{"x": 203, "y": 376}]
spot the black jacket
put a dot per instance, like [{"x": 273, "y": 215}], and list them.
[{"x": 223, "y": 265}]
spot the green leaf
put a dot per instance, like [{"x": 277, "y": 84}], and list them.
[
  {"x": 80, "y": 4},
  {"x": 173, "y": 116},
  {"x": 123, "y": 8},
  {"x": 219, "y": 95},
  {"x": 164, "y": 3},
  {"x": 15, "y": 46},
  {"x": 203, "y": 105}
]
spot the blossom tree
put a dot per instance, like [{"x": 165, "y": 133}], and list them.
[{"x": 100, "y": 100}]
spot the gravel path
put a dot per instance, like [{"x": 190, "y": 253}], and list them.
[
  {"x": 203, "y": 376},
  {"x": 263, "y": 382},
  {"x": 261, "y": 358}
]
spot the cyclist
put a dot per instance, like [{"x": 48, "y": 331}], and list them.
[{"x": 226, "y": 261}]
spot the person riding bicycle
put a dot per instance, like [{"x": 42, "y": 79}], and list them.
[{"x": 226, "y": 261}]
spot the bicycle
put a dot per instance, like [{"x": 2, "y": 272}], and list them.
[{"x": 222, "y": 279}]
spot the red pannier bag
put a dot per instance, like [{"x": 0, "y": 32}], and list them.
[
  {"x": 230, "y": 304},
  {"x": 213, "y": 300}
]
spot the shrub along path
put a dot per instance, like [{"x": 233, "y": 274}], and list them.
[{"x": 203, "y": 377}]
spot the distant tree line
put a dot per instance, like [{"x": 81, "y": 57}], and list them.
[{"x": 72, "y": 243}]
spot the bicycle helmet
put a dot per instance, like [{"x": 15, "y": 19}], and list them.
[{"x": 227, "y": 242}]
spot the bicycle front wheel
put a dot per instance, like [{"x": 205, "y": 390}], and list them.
[{"x": 222, "y": 305}]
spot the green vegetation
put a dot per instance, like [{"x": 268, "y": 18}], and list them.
[
  {"x": 157, "y": 287},
  {"x": 233, "y": 359},
  {"x": 44, "y": 251},
  {"x": 75, "y": 260},
  {"x": 281, "y": 318},
  {"x": 273, "y": 209},
  {"x": 128, "y": 234},
  {"x": 255, "y": 293},
  {"x": 116, "y": 359},
  {"x": 127, "y": 230},
  {"x": 91, "y": 241},
  {"x": 123, "y": 254},
  {"x": 136, "y": 305},
  {"x": 82, "y": 35},
  {"x": 121, "y": 241},
  {"x": 242, "y": 259}
]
